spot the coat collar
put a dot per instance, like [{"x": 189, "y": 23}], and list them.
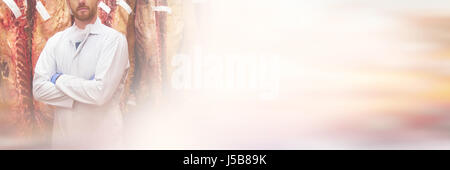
[
  {"x": 93, "y": 28},
  {"x": 96, "y": 27}
]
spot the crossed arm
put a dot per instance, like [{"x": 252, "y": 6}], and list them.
[{"x": 65, "y": 89}]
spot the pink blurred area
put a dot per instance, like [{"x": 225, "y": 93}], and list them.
[{"x": 352, "y": 75}]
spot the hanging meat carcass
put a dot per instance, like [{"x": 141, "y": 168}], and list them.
[
  {"x": 148, "y": 83},
  {"x": 119, "y": 14},
  {"x": 16, "y": 102},
  {"x": 50, "y": 17}
]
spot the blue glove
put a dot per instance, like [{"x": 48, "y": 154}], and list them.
[
  {"x": 92, "y": 78},
  {"x": 54, "y": 77}
]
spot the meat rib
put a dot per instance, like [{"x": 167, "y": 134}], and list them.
[{"x": 15, "y": 79}]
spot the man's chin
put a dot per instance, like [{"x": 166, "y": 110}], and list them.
[{"x": 83, "y": 18}]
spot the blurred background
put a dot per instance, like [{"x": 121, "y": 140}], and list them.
[
  {"x": 302, "y": 74},
  {"x": 342, "y": 74}
]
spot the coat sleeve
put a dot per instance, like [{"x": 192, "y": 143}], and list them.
[
  {"x": 110, "y": 70},
  {"x": 44, "y": 90}
]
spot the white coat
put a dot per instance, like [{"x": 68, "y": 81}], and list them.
[{"x": 87, "y": 113}]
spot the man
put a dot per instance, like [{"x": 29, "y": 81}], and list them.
[{"x": 81, "y": 71}]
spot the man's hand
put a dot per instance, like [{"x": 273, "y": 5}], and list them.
[{"x": 55, "y": 77}]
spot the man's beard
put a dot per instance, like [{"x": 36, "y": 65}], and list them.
[{"x": 87, "y": 17}]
